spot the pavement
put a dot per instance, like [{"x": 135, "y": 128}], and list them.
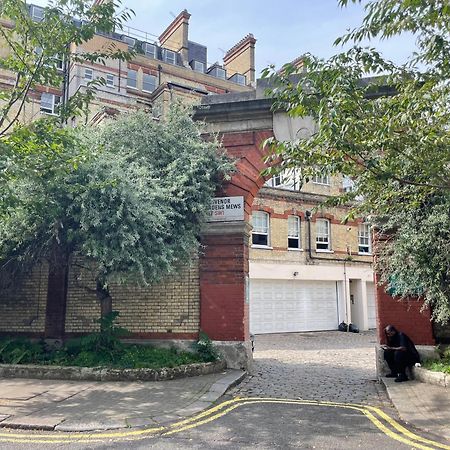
[{"x": 321, "y": 366}]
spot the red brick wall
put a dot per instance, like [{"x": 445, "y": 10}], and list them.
[
  {"x": 223, "y": 269},
  {"x": 224, "y": 264},
  {"x": 406, "y": 316}
]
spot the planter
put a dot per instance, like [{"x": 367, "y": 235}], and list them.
[
  {"x": 108, "y": 374},
  {"x": 431, "y": 377}
]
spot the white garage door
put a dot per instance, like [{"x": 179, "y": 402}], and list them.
[
  {"x": 278, "y": 306},
  {"x": 371, "y": 311}
]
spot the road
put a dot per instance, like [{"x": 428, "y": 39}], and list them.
[{"x": 308, "y": 390}]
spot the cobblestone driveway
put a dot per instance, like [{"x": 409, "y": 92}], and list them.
[{"x": 333, "y": 366}]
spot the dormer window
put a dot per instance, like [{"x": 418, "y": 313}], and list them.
[
  {"x": 149, "y": 49},
  {"x": 130, "y": 41},
  {"x": 37, "y": 13},
  {"x": 169, "y": 56},
  {"x": 198, "y": 66},
  {"x": 218, "y": 72},
  {"x": 239, "y": 79}
]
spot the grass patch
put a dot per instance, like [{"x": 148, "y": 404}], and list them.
[
  {"x": 438, "y": 366},
  {"x": 104, "y": 349}
]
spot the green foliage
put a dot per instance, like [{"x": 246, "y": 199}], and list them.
[
  {"x": 389, "y": 133},
  {"x": 102, "y": 349},
  {"x": 205, "y": 348},
  {"x": 131, "y": 194},
  {"x": 37, "y": 46}
]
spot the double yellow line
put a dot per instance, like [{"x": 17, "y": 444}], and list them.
[{"x": 381, "y": 420}]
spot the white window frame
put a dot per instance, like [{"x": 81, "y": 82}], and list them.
[
  {"x": 145, "y": 75},
  {"x": 135, "y": 79},
  {"x": 173, "y": 57},
  {"x": 294, "y": 236},
  {"x": 348, "y": 185},
  {"x": 110, "y": 79},
  {"x": 324, "y": 180},
  {"x": 151, "y": 54},
  {"x": 261, "y": 229},
  {"x": 52, "y": 101},
  {"x": 37, "y": 18},
  {"x": 87, "y": 77},
  {"x": 198, "y": 66},
  {"x": 238, "y": 78},
  {"x": 364, "y": 239},
  {"x": 323, "y": 235},
  {"x": 222, "y": 71},
  {"x": 131, "y": 42}
]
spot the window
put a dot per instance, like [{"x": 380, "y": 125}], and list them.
[
  {"x": 170, "y": 56},
  {"x": 37, "y": 13},
  {"x": 49, "y": 102},
  {"x": 364, "y": 241},
  {"x": 198, "y": 66},
  {"x": 322, "y": 235},
  {"x": 148, "y": 83},
  {"x": 130, "y": 41},
  {"x": 52, "y": 61},
  {"x": 109, "y": 80},
  {"x": 287, "y": 179},
  {"x": 239, "y": 79},
  {"x": 132, "y": 79},
  {"x": 88, "y": 74},
  {"x": 348, "y": 184},
  {"x": 294, "y": 232},
  {"x": 149, "y": 49},
  {"x": 321, "y": 179},
  {"x": 218, "y": 72},
  {"x": 260, "y": 232}
]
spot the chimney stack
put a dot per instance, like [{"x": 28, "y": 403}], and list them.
[
  {"x": 175, "y": 36},
  {"x": 241, "y": 58}
]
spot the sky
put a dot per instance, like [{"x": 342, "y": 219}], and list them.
[{"x": 284, "y": 29}]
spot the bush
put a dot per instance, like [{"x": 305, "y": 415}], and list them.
[{"x": 104, "y": 349}]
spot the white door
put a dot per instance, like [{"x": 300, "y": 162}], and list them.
[
  {"x": 371, "y": 309},
  {"x": 278, "y": 306}
]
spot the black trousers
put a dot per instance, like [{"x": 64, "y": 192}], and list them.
[{"x": 398, "y": 360}]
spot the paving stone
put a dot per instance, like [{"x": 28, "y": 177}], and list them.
[
  {"x": 329, "y": 366},
  {"x": 32, "y": 422}
]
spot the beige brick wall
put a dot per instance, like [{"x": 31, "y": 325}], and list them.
[
  {"x": 22, "y": 303},
  {"x": 170, "y": 306},
  {"x": 344, "y": 237}
]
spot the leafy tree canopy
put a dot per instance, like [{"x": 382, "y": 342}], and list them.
[
  {"x": 389, "y": 132},
  {"x": 130, "y": 195}
]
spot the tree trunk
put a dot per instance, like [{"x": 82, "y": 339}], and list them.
[
  {"x": 104, "y": 298},
  {"x": 55, "y": 313}
]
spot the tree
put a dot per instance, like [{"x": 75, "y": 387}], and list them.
[
  {"x": 130, "y": 196},
  {"x": 389, "y": 133},
  {"x": 37, "y": 49}
]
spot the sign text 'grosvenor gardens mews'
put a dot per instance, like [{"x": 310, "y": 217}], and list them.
[{"x": 226, "y": 209}]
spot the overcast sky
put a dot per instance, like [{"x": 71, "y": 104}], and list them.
[{"x": 284, "y": 29}]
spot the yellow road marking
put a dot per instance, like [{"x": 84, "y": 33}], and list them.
[{"x": 221, "y": 410}]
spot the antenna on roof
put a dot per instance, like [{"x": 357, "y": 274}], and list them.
[
  {"x": 222, "y": 50},
  {"x": 172, "y": 14}
]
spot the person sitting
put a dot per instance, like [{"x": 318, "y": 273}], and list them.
[{"x": 399, "y": 353}]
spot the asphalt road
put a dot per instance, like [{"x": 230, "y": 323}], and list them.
[{"x": 249, "y": 424}]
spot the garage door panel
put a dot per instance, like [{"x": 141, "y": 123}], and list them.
[{"x": 282, "y": 305}]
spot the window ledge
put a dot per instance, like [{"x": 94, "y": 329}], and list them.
[
  {"x": 262, "y": 247},
  {"x": 364, "y": 254},
  {"x": 324, "y": 251},
  {"x": 295, "y": 249}
]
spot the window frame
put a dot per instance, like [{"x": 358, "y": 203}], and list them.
[
  {"x": 131, "y": 42},
  {"x": 144, "y": 83},
  {"x": 34, "y": 17},
  {"x": 86, "y": 69},
  {"x": 321, "y": 237},
  {"x": 364, "y": 234},
  {"x": 152, "y": 54},
  {"x": 262, "y": 230},
  {"x": 296, "y": 235},
  {"x": 110, "y": 85},
  {"x": 135, "y": 79},
  {"x": 170, "y": 52},
  {"x": 323, "y": 180},
  {"x": 196, "y": 69},
  {"x": 54, "y": 103}
]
